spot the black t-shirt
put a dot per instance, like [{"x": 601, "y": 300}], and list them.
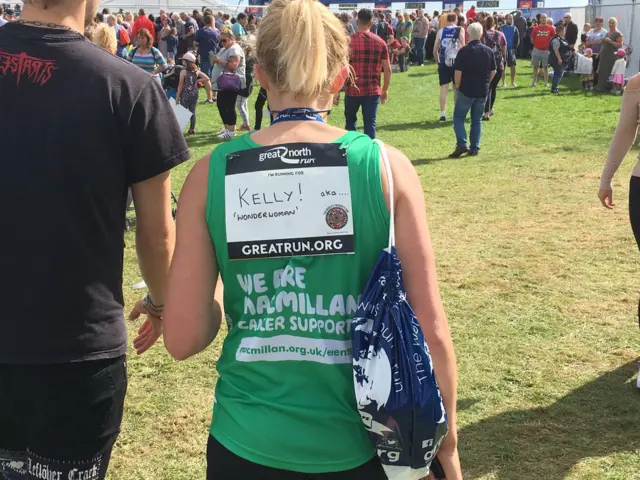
[{"x": 79, "y": 126}]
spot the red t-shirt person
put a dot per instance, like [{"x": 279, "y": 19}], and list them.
[
  {"x": 471, "y": 14},
  {"x": 143, "y": 22},
  {"x": 541, "y": 36}
]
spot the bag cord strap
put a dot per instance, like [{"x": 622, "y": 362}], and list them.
[{"x": 387, "y": 167}]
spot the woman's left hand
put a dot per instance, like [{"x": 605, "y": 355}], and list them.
[{"x": 150, "y": 330}]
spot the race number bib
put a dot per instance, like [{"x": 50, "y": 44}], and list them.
[{"x": 292, "y": 199}]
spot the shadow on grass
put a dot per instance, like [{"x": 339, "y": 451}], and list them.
[
  {"x": 203, "y": 139},
  {"x": 427, "y": 161},
  {"x": 421, "y": 73},
  {"x": 409, "y": 126},
  {"x": 597, "y": 419}
]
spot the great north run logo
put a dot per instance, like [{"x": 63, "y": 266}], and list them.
[{"x": 284, "y": 154}]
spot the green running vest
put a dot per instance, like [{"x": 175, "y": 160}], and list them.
[{"x": 299, "y": 412}]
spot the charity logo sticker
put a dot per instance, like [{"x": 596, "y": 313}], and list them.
[{"x": 336, "y": 217}]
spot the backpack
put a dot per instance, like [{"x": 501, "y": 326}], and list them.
[
  {"x": 383, "y": 30},
  {"x": 452, "y": 48},
  {"x": 124, "y": 39},
  {"x": 494, "y": 45}
]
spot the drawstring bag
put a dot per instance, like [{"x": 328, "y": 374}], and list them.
[{"x": 396, "y": 390}]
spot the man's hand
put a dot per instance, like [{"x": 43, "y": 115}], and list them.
[
  {"x": 150, "y": 330},
  {"x": 384, "y": 97}
]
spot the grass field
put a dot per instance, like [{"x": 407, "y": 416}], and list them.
[{"x": 538, "y": 281}]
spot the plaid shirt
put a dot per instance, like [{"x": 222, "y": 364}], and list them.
[{"x": 367, "y": 52}]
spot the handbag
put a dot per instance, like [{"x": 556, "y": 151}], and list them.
[
  {"x": 229, "y": 81},
  {"x": 396, "y": 391}
]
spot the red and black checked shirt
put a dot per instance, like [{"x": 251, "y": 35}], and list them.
[{"x": 367, "y": 52}]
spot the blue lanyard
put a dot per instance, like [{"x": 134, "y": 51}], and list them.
[{"x": 298, "y": 115}]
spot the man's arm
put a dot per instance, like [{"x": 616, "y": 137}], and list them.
[
  {"x": 386, "y": 79},
  {"x": 491, "y": 75},
  {"x": 436, "y": 48},
  {"x": 461, "y": 35},
  {"x": 457, "y": 79},
  {"x": 155, "y": 232},
  {"x": 196, "y": 38}
]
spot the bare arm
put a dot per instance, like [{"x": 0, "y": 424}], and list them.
[
  {"x": 203, "y": 76},
  {"x": 155, "y": 232},
  {"x": 491, "y": 75},
  {"x": 192, "y": 317},
  {"x": 386, "y": 77},
  {"x": 436, "y": 48},
  {"x": 229, "y": 64},
  {"x": 180, "y": 86},
  {"x": 457, "y": 79},
  {"x": 415, "y": 251},
  {"x": 625, "y": 135},
  {"x": 618, "y": 42},
  {"x": 461, "y": 37}
]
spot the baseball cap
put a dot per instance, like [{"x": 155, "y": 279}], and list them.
[{"x": 190, "y": 57}]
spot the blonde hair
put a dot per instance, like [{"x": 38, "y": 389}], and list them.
[
  {"x": 442, "y": 21},
  {"x": 104, "y": 36},
  {"x": 614, "y": 19},
  {"x": 550, "y": 21},
  {"x": 301, "y": 46}
]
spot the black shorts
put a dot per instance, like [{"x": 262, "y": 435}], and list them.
[
  {"x": 511, "y": 58},
  {"x": 60, "y": 421},
  {"x": 225, "y": 465},
  {"x": 445, "y": 74}
]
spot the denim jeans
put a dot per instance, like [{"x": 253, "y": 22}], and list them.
[
  {"x": 558, "y": 72},
  {"x": 369, "y": 106},
  {"x": 419, "y": 45},
  {"x": 205, "y": 67},
  {"x": 462, "y": 107}
]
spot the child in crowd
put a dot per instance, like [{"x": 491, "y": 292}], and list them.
[
  {"x": 171, "y": 77},
  {"x": 187, "y": 94},
  {"x": 393, "y": 45},
  {"x": 172, "y": 43},
  {"x": 618, "y": 71},
  {"x": 583, "y": 43},
  {"x": 403, "y": 54},
  {"x": 587, "y": 80}
]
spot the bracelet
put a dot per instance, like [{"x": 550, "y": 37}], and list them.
[{"x": 150, "y": 306}]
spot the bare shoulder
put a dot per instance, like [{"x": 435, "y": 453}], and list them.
[
  {"x": 198, "y": 177},
  {"x": 634, "y": 82},
  {"x": 398, "y": 159},
  {"x": 404, "y": 173}
]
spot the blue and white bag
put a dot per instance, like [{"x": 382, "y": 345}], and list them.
[{"x": 396, "y": 390}]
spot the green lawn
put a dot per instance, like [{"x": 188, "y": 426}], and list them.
[{"x": 538, "y": 281}]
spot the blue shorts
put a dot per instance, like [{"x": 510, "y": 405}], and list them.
[
  {"x": 445, "y": 73},
  {"x": 172, "y": 92}
]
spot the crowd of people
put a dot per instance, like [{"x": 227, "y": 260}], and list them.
[{"x": 221, "y": 45}]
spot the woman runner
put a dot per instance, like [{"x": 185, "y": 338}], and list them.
[{"x": 285, "y": 404}]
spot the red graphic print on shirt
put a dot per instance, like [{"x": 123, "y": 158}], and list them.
[{"x": 22, "y": 65}]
